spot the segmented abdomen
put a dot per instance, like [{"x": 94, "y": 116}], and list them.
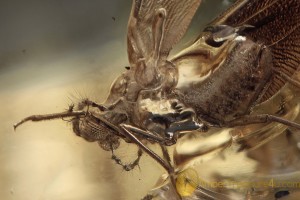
[{"x": 234, "y": 87}]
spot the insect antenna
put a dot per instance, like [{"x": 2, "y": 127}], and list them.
[{"x": 35, "y": 118}]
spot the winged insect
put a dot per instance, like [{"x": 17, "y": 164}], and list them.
[{"x": 239, "y": 61}]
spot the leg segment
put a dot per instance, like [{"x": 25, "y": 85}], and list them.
[
  {"x": 166, "y": 154},
  {"x": 151, "y": 153},
  {"x": 288, "y": 79},
  {"x": 130, "y": 166},
  {"x": 165, "y": 164},
  {"x": 144, "y": 134},
  {"x": 170, "y": 135},
  {"x": 87, "y": 102},
  {"x": 257, "y": 119}
]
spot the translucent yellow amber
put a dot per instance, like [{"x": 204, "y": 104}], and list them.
[{"x": 187, "y": 182}]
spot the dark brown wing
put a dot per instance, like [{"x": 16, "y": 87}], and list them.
[{"x": 277, "y": 25}]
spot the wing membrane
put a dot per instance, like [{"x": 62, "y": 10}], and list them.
[
  {"x": 141, "y": 26},
  {"x": 277, "y": 25}
]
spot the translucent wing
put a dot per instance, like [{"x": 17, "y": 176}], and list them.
[
  {"x": 154, "y": 27},
  {"x": 277, "y": 25}
]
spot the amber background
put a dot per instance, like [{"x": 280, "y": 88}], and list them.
[{"x": 53, "y": 53}]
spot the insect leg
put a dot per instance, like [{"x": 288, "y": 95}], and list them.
[
  {"x": 170, "y": 136},
  {"x": 165, "y": 164},
  {"x": 189, "y": 125},
  {"x": 289, "y": 79},
  {"x": 166, "y": 154},
  {"x": 262, "y": 118},
  {"x": 130, "y": 166},
  {"x": 145, "y": 134},
  {"x": 151, "y": 153},
  {"x": 87, "y": 102}
]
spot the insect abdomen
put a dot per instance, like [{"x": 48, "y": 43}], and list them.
[{"x": 234, "y": 87}]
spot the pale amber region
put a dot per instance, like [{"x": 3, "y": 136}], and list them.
[{"x": 187, "y": 182}]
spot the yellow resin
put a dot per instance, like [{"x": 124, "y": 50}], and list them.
[{"x": 187, "y": 182}]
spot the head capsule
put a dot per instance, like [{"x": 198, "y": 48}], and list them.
[{"x": 101, "y": 128}]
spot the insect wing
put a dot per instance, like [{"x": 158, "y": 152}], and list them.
[
  {"x": 154, "y": 27},
  {"x": 277, "y": 25},
  {"x": 273, "y": 23}
]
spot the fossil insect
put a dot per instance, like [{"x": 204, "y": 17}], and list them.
[{"x": 239, "y": 61}]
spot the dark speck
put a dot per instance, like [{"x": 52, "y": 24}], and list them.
[
  {"x": 280, "y": 194},
  {"x": 113, "y": 18}
]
